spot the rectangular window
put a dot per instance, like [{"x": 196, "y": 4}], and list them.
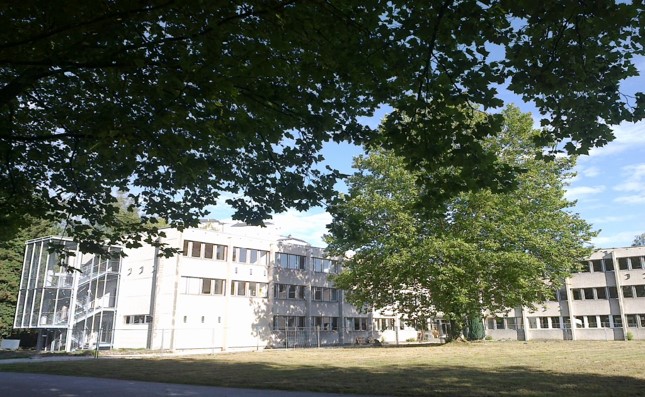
[
  {"x": 588, "y": 293},
  {"x": 219, "y": 287},
  {"x": 253, "y": 289},
  {"x": 618, "y": 322},
  {"x": 185, "y": 250},
  {"x": 604, "y": 322},
  {"x": 491, "y": 323},
  {"x": 532, "y": 322},
  {"x": 253, "y": 256},
  {"x": 317, "y": 293},
  {"x": 544, "y": 322},
  {"x": 628, "y": 292},
  {"x": 288, "y": 322},
  {"x": 577, "y": 294},
  {"x": 580, "y": 322},
  {"x": 636, "y": 262},
  {"x": 196, "y": 250},
  {"x": 206, "y": 286},
  {"x": 641, "y": 319},
  {"x": 597, "y": 265},
  {"x": 326, "y": 323},
  {"x": 511, "y": 323},
  {"x": 208, "y": 251},
  {"x": 238, "y": 288},
  {"x": 613, "y": 292},
  {"x": 499, "y": 322},
  {"x": 290, "y": 261},
  {"x": 601, "y": 293},
  {"x": 622, "y": 264},
  {"x": 220, "y": 253},
  {"x": 567, "y": 322},
  {"x": 632, "y": 321},
  {"x": 640, "y": 291},
  {"x": 593, "y": 321},
  {"x": 584, "y": 266},
  {"x": 138, "y": 319},
  {"x": 555, "y": 322},
  {"x": 609, "y": 265}
]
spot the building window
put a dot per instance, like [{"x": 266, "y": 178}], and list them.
[
  {"x": 328, "y": 323},
  {"x": 628, "y": 292},
  {"x": 640, "y": 291},
  {"x": 584, "y": 267},
  {"x": 324, "y": 294},
  {"x": 601, "y": 293},
  {"x": 356, "y": 323},
  {"x": 249, "y": 288},
  {"x": 613, "y": 292},
  {"x": 491, "y": 323},
  {"x": 588, "y": 293},
  {"x": 641, "y": 320},
  {"x": 618, "y": 321},
  {"x": 512, "y": 323},
  {"x": 544, "y": 322},
  {"x": 290, "y": 261},
  {"x": 636, "y": 262},
  {"x": 609, "y": 265},
  {"x": 196, "y": 251},
  {"x": 201, "y": 286},
  {"x": 499, "y": 322},
  {"x": 596, "y": 265},
  {"x": 580, "y": 322},
  {"x": 622, "y": 264},
  {"x": 592, "y": 321},
  {"x": 632, "y": 320},
  {"x": 281, "y": 323},
  {"x": 562, "y": 293},
  {"x": 532, "y": 322},
  {"x": 322, "y": 265},
  {"x": 555, "y": 322},
  {"x": 288, "y": 291},
  {"x": 138, "y": 319},
  {"x": 604, "y": 322},
  {"x": 209, "y": 249}
]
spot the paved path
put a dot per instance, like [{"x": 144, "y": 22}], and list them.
[{"x": 39, "y": 385}]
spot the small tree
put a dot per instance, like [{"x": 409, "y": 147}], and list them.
[{"x": 639, "y": 240}]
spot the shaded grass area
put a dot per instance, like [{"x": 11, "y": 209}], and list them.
[{"x": 478, "y": 369}]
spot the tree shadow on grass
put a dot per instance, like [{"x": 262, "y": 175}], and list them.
[{"x": 387, "y": 380}]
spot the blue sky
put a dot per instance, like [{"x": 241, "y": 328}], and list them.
[{"x": 609, "y": 188}]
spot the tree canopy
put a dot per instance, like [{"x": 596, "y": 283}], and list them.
[
  {"x": 179, "y": 102},
  {"x": 487, "y": 251}
]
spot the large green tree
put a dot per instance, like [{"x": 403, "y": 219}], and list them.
[
  {"x": 11, "y": 258},
  {"x": 485, "y": 251},
  {"x": 178, "y": 102}
]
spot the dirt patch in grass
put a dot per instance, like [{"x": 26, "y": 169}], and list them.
[{"x": 479, "y": 369}]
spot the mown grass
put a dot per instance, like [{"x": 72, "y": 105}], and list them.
[{"x": 475, "y": 369}]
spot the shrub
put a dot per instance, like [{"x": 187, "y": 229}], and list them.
[{"x": 630, "y": 335}]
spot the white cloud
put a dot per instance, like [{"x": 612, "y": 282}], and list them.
[
  {"x": 608, "y": 219},
  {"x": 590, "y": 172},
  {"x": 309, "y": 226},
  {"x": 633, "y": 183},
  {"x": 575, "y": 193},
  {"x": 621, "y": 239},
  {"x": 628, "y": 136}
]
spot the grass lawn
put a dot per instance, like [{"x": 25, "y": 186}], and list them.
[{"x": 474, "y": 369}]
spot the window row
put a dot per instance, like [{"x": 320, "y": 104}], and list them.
[
  {"x": 504, "y": 323},
  {"x": 214, "y": 286},
  {"x": 137, "y": 319},
  {"x": 288, "y": 291},
  {"x": 324, "y": 294},
  {"x": 599, "y": 321},
  {"x": 299, "y": 262},
  {"x": 281, "y": 323},
  {"x": 629, "y": 291},
  {"x": 607, "y": 265},
  {"x": 198, "y": 249},
  {"x": 250, "y": 256}
]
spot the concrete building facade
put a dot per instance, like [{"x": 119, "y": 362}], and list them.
[
  {"x": 234, "y": 287},
  {"x": 603, "y": 301}
]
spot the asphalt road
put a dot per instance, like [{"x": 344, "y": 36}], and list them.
[{"x": 37, "y": 385}]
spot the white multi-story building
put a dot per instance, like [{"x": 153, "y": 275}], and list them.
[
  {"x": 604, "y": 301},
  {"x": 239, "y": 287},
  {"x": 233, "y": 287}
]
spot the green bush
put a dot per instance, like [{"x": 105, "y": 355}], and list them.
[{"x": 630, "y": 335}]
